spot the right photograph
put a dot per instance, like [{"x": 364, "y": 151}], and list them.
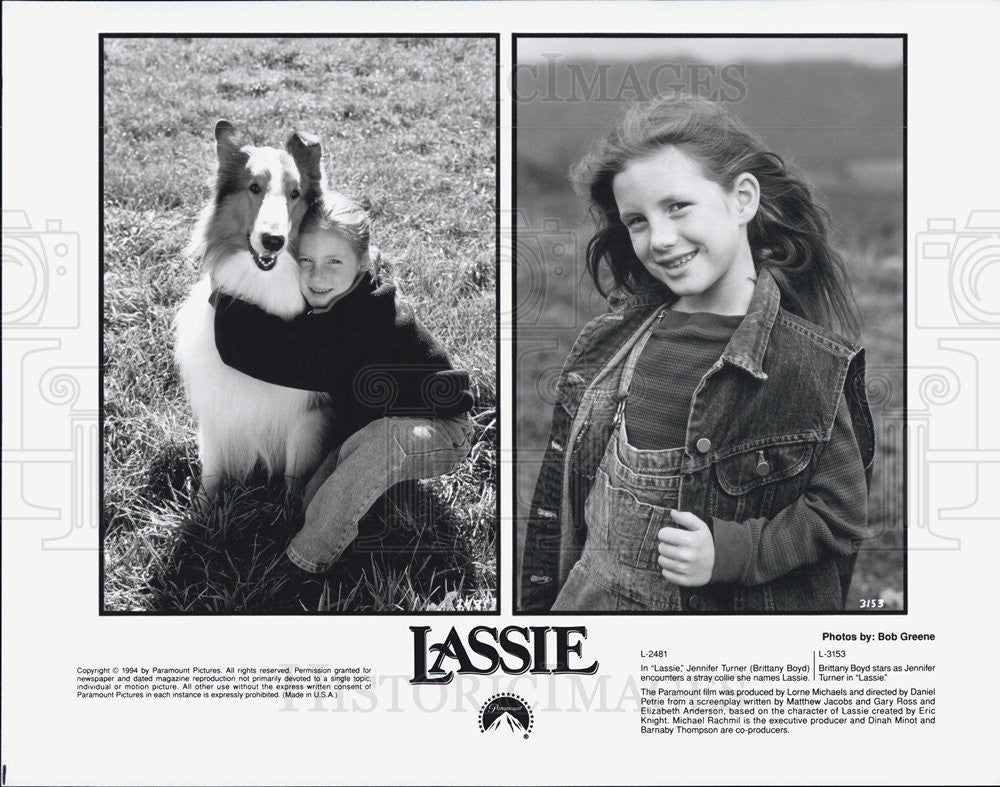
[{"x": 709, "y": 324}]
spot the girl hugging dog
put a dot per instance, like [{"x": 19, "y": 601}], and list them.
[{"x": 400, "y": 409}]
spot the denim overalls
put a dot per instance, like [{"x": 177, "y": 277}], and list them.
[
  {"x": 778, "y": 389},
  {"x": 631, "y": 498}
]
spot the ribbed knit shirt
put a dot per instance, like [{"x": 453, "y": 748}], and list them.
[{"x": 682, "y": 346}]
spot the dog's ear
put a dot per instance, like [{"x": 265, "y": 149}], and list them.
[
  {"x": 228, "y": 140},
  {"x": 305, "y": 149}
]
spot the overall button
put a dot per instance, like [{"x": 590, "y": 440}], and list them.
[
  {"x": 704, "y": 445},
  {"x": 695, "y": 602},
  {"x": 763, "y": 466}
]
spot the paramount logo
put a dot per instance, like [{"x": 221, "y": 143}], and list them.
[{"x": 507, "y": 713}]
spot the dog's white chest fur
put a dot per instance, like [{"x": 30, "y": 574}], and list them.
[{"x": 241, "y": 419}]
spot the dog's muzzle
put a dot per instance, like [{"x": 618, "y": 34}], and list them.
[{"x": 265, "y": 262}]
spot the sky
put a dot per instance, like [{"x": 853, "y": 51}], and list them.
[{"x": 869, "y": 51}]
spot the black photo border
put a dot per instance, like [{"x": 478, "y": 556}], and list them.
[
  {"x": 515, "y": 516},
  {"x": 498, "y": 172}
]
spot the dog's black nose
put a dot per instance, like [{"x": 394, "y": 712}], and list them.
[{"x": 272, "y": 242}]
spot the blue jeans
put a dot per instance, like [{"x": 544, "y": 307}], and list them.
[{"x": 370, "y": 461}]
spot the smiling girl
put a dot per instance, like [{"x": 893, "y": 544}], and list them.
[{"x": 712, "y": 445}]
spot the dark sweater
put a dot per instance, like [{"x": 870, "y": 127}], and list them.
[{"x": 368, "y": 352}]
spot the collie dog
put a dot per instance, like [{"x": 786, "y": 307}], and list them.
[{"x": 242, "y": 244}]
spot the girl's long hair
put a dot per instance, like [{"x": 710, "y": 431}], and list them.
[{"x": 789, "y": 234}]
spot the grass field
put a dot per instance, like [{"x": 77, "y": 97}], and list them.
[{"x": 408, "y": 127}]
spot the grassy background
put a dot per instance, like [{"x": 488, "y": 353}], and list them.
[
  {"x": 839, "y": 122},
  {"x": 407, "y": 126}
]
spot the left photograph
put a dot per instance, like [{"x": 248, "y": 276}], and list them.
[{"x": 299, "y": 325}]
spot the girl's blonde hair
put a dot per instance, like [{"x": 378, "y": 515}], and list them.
[
  {"x": 339, "y": 213},
  {"x": 789, "y": 234}
]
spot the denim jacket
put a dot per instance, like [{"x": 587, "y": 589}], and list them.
[{"x": 786, "y": 508}]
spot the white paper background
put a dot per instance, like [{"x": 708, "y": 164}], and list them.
[{"x": 50, "y": 621}]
